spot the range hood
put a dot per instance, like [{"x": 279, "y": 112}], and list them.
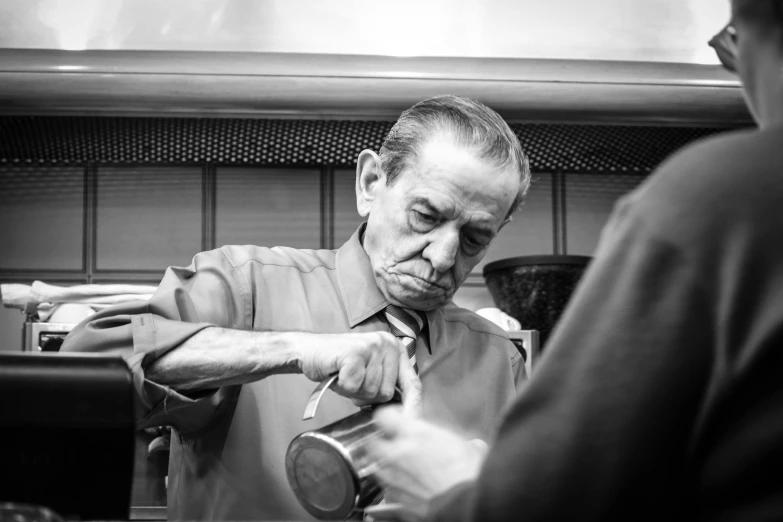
[
  {"x": 358, "y": 86},
  {"x": 563, "y": 60}
]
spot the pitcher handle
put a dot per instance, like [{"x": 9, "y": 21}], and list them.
[
  {"x": 315, "y": 397},
  {"x": 318, "y": 392}
]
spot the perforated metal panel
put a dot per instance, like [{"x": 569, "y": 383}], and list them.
[
  {"x": 602, "y": 148},
  {"x": 160, "y": 141}
]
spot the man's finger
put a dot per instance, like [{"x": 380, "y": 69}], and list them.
[
  {"x": 480, "y": 445},
  {"x": 386, "y": 512},
  {"x": 389, "y": 380},
  {"x": 350, "y": 379},
  {"x": 373, "y": 376},
  {"x": 411, "y": 387},
  {"x": 391, "y": 420}
]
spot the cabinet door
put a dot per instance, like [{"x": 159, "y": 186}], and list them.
[
  {"x": 268, "y": 207},
  {"x": 148, "y": 218},
  {"x": 530, "y": 231},
  {"x": 42, "y": 218},
  {"x": 590, "y": 199}
]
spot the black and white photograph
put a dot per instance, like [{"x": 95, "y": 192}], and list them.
[{"x": 391, "y": 261}]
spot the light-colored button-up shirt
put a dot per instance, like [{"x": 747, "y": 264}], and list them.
[{"x": 228, "y": 445}]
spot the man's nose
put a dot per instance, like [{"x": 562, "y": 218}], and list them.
[{"x": 441, "y": 251}]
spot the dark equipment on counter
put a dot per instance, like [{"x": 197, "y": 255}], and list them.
[
  {"x": 534, "y": 290},
  {"x": 67, "y": 433}
]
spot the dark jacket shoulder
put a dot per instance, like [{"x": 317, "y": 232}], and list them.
[{"x": 712, "y": 188}]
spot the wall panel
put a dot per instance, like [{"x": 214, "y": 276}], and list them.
[
  {"x": 11, "y": 321},
  {"x": 589, "y": 201},
  {"x": 41, "y": 218},
  {"x": 148, "y": 218},
  {"x": 531, "y": 229},
  {"x": 268, "y": 207}
]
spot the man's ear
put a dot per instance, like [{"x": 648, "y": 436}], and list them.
[
  {"x": 504, "y": 223},
  {"x": 369, "y": 177}
]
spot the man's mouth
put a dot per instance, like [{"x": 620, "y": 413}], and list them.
[{"x": 426, "y": 283}]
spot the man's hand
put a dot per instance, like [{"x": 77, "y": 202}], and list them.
[
  {"x": 369, "y": 366},
  {"x": 417, "y": 461}
]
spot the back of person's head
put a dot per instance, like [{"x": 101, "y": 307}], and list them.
[
  {"x": 759, "y": 13},
  {"x": 467, "y": 123},
  {"x": 754, "y": 41}
]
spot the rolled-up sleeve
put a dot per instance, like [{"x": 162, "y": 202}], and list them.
[{"x": 209, "y": 292}]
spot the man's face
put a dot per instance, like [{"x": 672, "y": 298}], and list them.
[{"x": 427, "y": 231}]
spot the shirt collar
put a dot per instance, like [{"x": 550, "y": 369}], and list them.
[{"x": 361, "y": 297}]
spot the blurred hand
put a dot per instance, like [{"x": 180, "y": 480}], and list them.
[
  {"x": 416, "y": 461},
  {"x": 369, "y": 366},
  {"x": 500, "y": 318}
]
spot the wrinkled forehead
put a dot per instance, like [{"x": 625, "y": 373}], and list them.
[{"x": 499, "y": 157}]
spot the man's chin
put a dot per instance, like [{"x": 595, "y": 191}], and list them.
[
  {"x": 421, "y": 304},
  {"x": 418, "y": 300}
]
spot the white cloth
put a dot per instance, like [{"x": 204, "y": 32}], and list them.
[
  {"x": 15, "y": 295},
  {"x": 70, "y": 313},
  {"x": 44, "y": 299},
  {"x": 500, "y": 318},
  {"x": 101, "y": 294}
]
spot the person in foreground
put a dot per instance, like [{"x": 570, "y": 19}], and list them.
[
  {"x": 228, "y": 349},
  {"x": 660, "y": 395}
]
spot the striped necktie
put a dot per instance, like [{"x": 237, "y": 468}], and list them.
[{"x": 406, "y": 325}]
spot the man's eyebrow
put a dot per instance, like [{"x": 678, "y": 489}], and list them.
[
  {"x": 481, "y": 230},
  {"x": 482, "y": 227},
  {"x": 478, "y": 228},
  {"x": 419, "y": 200}
]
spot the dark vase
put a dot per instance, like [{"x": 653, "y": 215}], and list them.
[{"x": 534, "y": 290}]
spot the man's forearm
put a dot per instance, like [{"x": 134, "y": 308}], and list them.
[{"x": 217, "y": 357}]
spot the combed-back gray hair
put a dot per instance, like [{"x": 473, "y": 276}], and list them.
[{"x": 470, "y": 124}]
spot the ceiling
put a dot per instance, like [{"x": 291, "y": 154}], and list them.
[{"x": 628, "y": 30}]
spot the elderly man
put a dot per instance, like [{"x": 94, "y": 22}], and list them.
[
  {"x": 660, "y": 396},
  {"x": 227, "y": 350}
]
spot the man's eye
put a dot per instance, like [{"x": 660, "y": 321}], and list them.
[
  {"x": 425, "y": 218},
  {"x": 473, "y": 245}
]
